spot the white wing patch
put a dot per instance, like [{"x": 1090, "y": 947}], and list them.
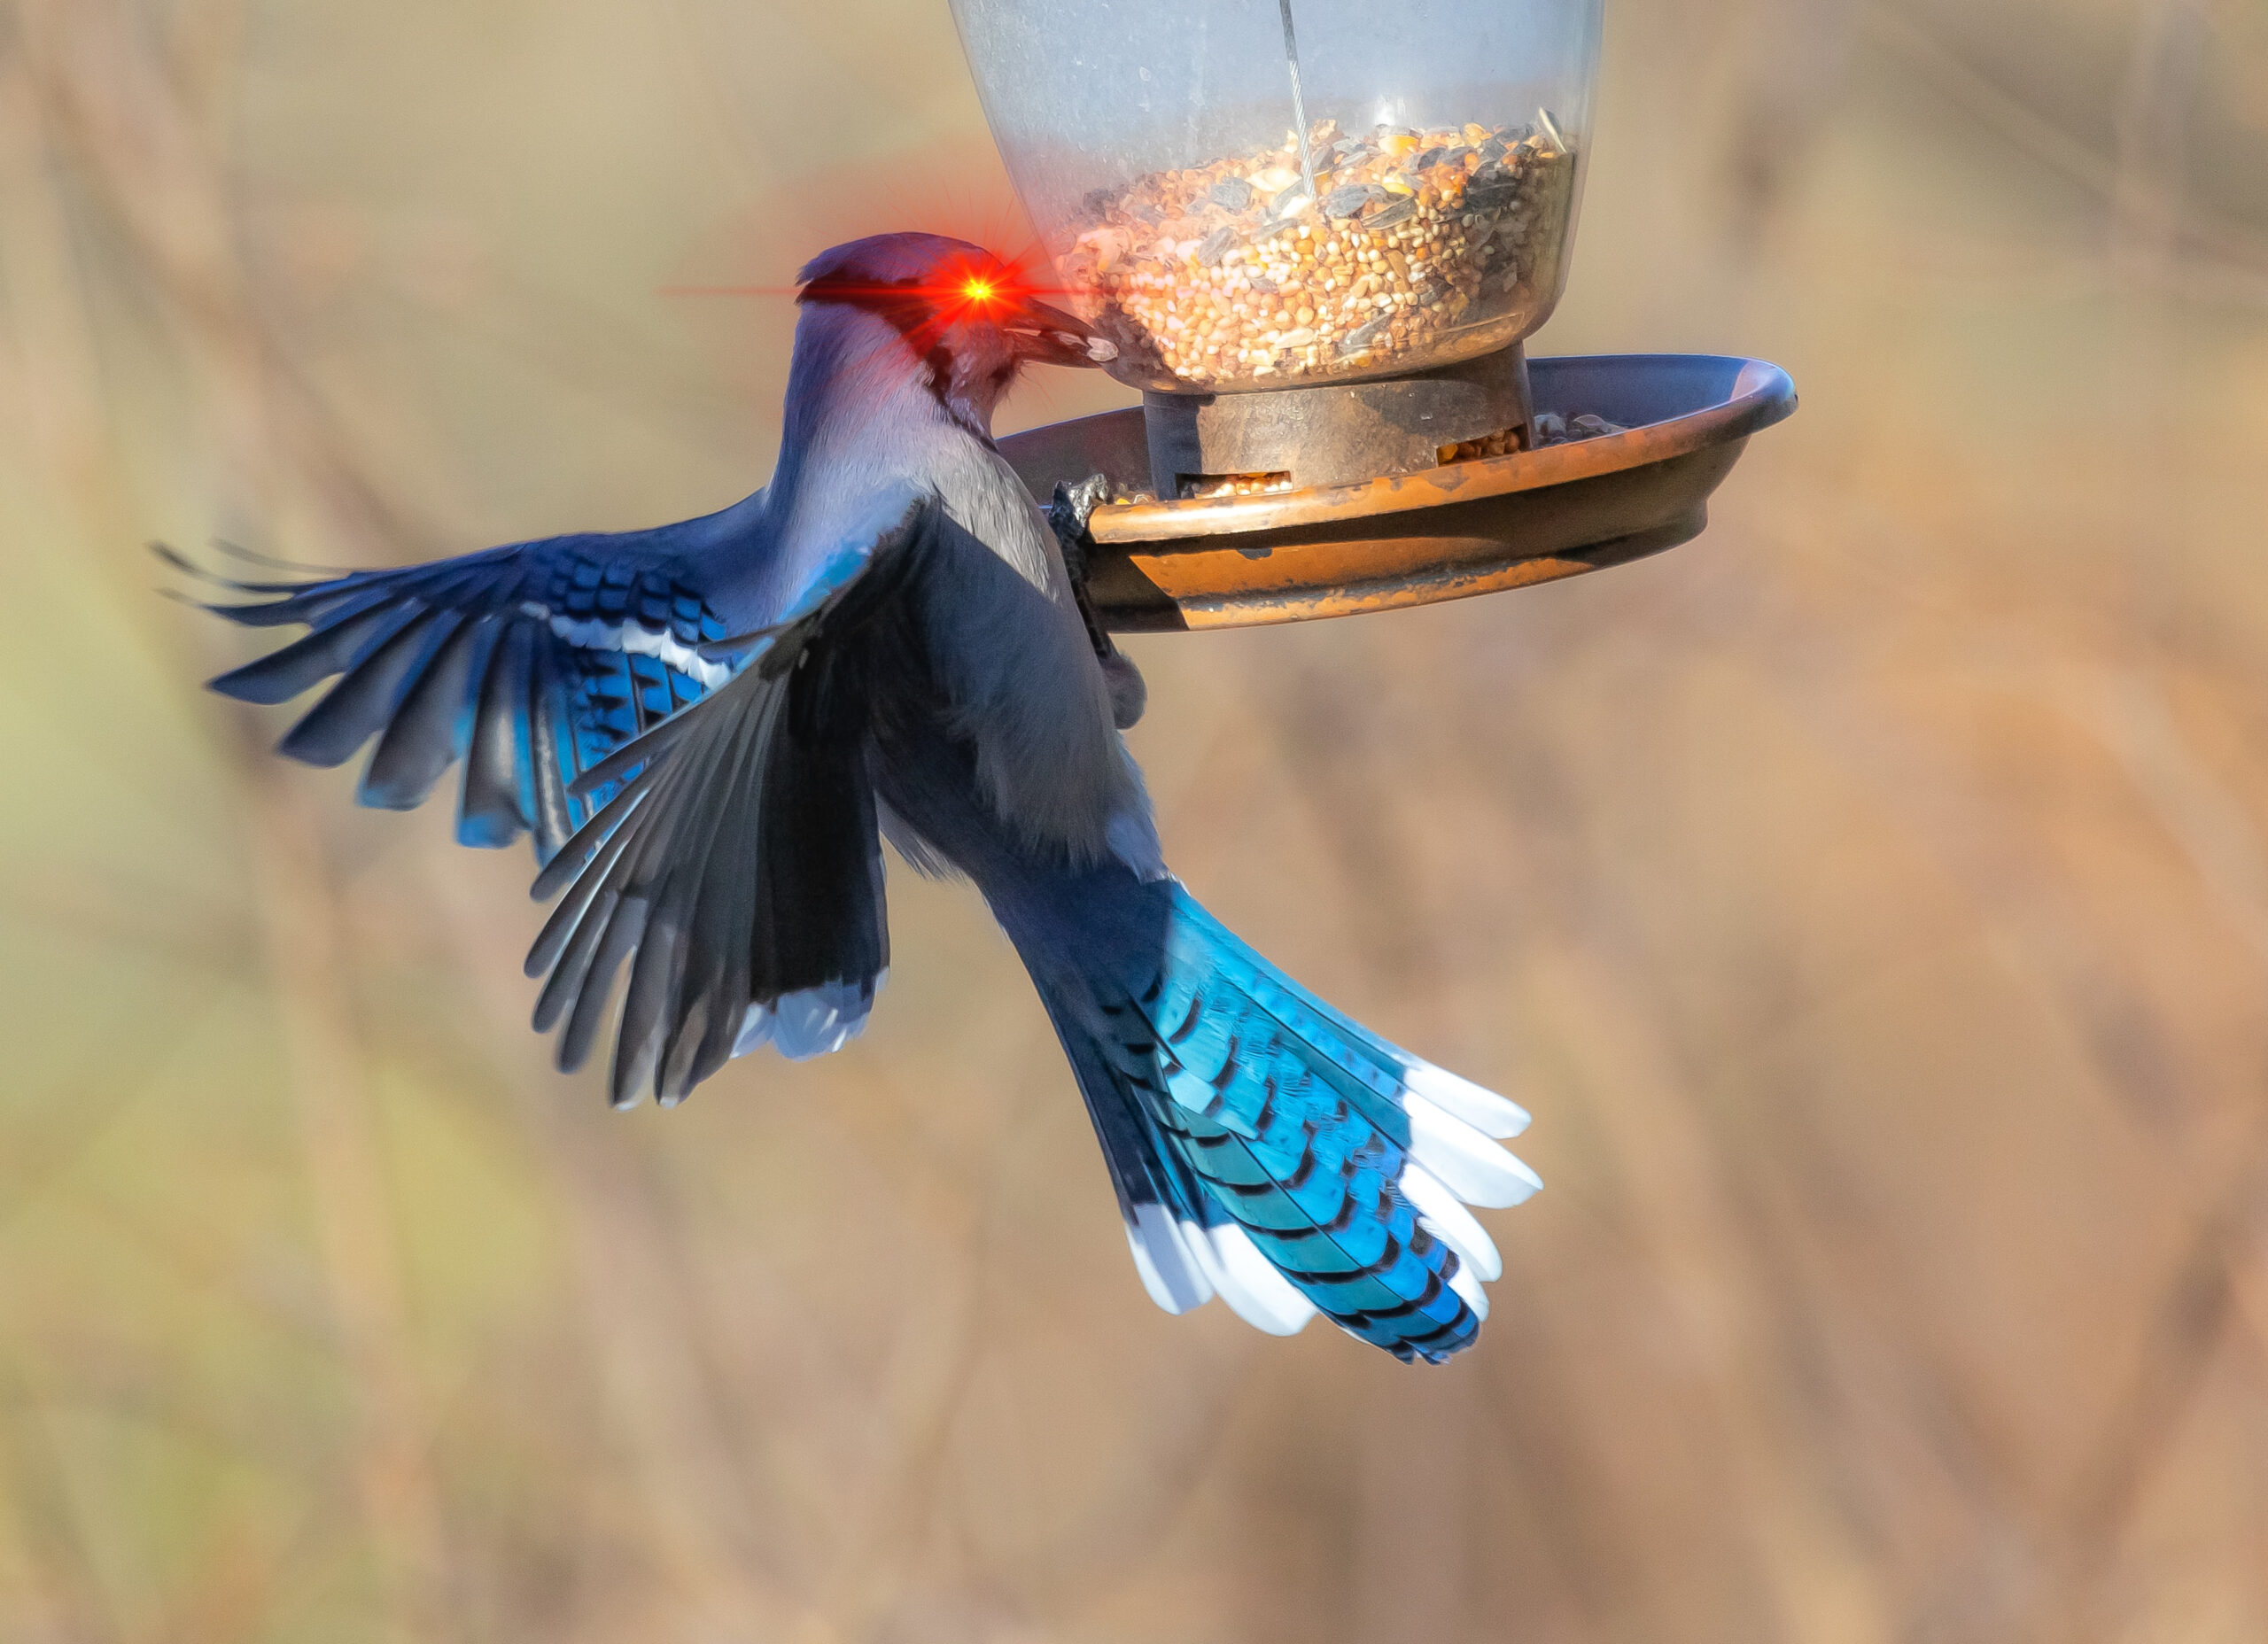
[{"x": 591, "y": 634}]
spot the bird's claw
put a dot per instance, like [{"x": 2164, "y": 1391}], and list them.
[
  {"x": 1067, "y": 515},
  {"x": 1073, "y": 506}
]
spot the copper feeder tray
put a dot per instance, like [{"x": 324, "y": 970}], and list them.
[{"x": 1445, "y": 533}]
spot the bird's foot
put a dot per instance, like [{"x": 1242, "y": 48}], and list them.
[{"x": 1067, "y": 515}]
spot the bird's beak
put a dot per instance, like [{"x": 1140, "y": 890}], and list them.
[{"x": 1054, "y": 338}]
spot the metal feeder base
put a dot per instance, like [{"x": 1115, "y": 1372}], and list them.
[
  {"x": 1444, "y": 533},
  {"x": 1332, "y": 433}
]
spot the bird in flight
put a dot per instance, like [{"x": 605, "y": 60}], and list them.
[{"x": 709, "y": 727}]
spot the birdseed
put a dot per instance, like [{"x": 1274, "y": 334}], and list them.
[
  {"x": 1548, "y": 428},
  {"x": 1426, "y": 246}
]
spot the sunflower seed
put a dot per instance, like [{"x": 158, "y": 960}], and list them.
[
  {"x": 1492, "y": 189},
  {"x": 1215, "y": 245},
  {"x": 1232, "y": 194},
  {"x": 1363, "y": 335}
]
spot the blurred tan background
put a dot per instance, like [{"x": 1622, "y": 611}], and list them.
[{"x": 1870, "y": 898}]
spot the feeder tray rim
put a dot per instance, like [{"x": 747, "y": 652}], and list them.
[
  {"x": 1444, "y": 533},
  {"x": 1763, "y": 394}
]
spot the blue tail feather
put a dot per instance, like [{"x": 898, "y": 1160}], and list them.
[{"x": 1240, "y": 1114}]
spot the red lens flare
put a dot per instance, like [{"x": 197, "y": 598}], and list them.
[
  {"x": 987, "y": 289},
  {"x": 995, "y": 286},
  {"x": 956, "y": 189},
  {"x": 979, "y": 286},
  {"x": 946, "y": 192}
]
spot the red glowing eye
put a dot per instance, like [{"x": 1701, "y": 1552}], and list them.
[{"x": 979, "y": 291}]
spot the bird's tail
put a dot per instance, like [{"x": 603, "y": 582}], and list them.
[{"x": 1265, "y": 1147}]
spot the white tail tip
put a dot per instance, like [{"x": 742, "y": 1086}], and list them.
[{"x": 1484, "y": 1110}]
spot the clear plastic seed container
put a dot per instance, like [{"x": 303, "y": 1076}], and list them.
[{"x": 1251, "y": 194}]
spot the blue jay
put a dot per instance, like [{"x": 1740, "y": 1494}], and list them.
[{"x": 709, "y": 727}]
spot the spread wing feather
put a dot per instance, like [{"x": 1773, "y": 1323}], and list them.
[
  {"x": 737, "y": 863},
  {"x": 529, "y": 663}
]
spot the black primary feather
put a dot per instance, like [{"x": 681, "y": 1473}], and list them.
[{"x": 738, "y": 860}]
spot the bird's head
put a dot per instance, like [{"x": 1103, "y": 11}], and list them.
[{"x": 970, "y": 318}]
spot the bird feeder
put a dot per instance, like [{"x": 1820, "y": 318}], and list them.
[{"x": 1319, "y": 232}]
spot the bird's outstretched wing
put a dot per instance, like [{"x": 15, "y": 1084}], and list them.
[
  {"x": 736, "y": 868},
  {"x": 532, "y": 663}
]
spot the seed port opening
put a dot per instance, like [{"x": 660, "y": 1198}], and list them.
[
  {"x": 1502, "y": 443},
  {"x": 1195, "y": 487}
]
